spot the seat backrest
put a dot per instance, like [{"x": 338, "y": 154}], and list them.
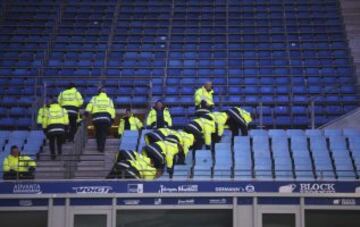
[
  {"x": 313, "y": 132},
  {"x": 337, "y": 143},
  {"x": 260, "y": 143},
  {"x": 279, "y": 144},
  {"x": 277, "y": 132},
  {"x": 333, "y": 132},
  {"x": 129, "y": 134},
  {"x": 242, "y": 143},
  {"x": 354, "y": 143},
  {"x": 351, "y": 132},
  {"x": 298, "y": 143},
  {"x": 203, "y": 158},
  {"x": 258, "y": 132},
  {"x": 295, "y": 132},
  {"x": 318, "y": 143}
]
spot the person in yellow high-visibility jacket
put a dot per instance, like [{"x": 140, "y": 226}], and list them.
[
  {"x": 202, "y": 128},
  {"x": 204, "y": 95},
  {"x": 129, "y": 122},
  {"x": 131, "y": 164},
  {"x": 186, "y": 140},
  {"x": 159, "y": 116},
  {"x": 41, "y": 116},
  {"x": 238, "y": 119},
  {"x": 145, "y": 166},
  {"x": 158, "y": 134},
  {"x": 71, "y": 100},
  {"x": 164, "y": 153},
  {"x": 220, "y": 119},
  {"x": 56, "y": 123},
  {"x": 16, "y": 166},
  {"x": 102, "y": 110}
]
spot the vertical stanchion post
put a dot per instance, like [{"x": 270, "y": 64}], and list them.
[
  {"x": 312, "y": 106},
  {"x": 44, "y": 94},
  {"x": 261, "y": 125}
]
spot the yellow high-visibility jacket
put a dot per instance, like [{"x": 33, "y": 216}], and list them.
[
  {"x": 56, "y": 115},
  {"x": 143, "y": 164},
  {"x": 220, "y": 118},
  {"x": 208, "y": 127},
  {"x": 203, "y": 94},
  {"x": 18, "y": 164},
  {"x": 135, "y": 124},
  {"x": 170, "y": 150},
  {"x": 41, "y": 116},
  {"x": 151, "y": 118},
  {"x": 245, "y": 115},
  {"x": 186, "y": 140},
  {"x": 164, "y": 131},
  {"x": 70, "y": 97},
  {"x": 101, "y": 103},
  {"x": 167, "y": 131}
]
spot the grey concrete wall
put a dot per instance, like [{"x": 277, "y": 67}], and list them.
[
  {"x": 350, "y": 120},
  {"x": 351, "y": 14}
]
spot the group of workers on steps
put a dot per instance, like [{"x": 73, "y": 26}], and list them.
[{"x": 60, "y": 117}]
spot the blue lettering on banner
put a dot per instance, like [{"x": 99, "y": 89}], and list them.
[
  {"x": 174, "y": 201},
  {"x": 23, "y": 202},
  {"x": 105, "y": 187},
  {"x": 333, "y": 201},
  {"x": 24, "y": 188},
  {"x": 93, "y": 189}
]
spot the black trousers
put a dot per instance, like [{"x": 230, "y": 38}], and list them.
[
  {"x": 58, "y": 139},
  {"x": 13, "y": 175},
  {"x": 199, "y": 139},
  {"x": 234, "y": 127},
  {"x": 72, "y": 126},
  {"x": 101, "y": 131}
]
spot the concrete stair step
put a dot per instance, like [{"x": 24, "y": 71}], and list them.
[
  {"x": 49, "y": 163},
  {"x": 95, "y": 163},
  {"x": 108, "y": 141},
  {"x": 91, "y": 169},
  {"x": 49, "y": 175},
  {"x": 91, "y": 157},
  {"x": 90, "y": 174},
  {"x": 61, "y": 158},
  {"x": 50, "y": 169},
  {"x": 95, "y": 151}
]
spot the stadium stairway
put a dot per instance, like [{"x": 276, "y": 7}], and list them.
[
  {"x": 53, "y": 169},
  {"x": 89, "y": 164},
  {"x": 93, "y": 164}
]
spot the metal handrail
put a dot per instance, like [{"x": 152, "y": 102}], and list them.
[{"x": 80, "y": 140}]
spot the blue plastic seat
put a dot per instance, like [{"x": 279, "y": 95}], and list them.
[
  {"x": 7, "y": 122},
  {"x": 258, "y": 132},
  {"x": 277, "y": 132},
  {"x": 203, "y": 163},
  {"x": 332, "y": 132},
  {"x": 299, "y": 143},
  {"x": 280, "y": 146},
  {"x": 313, "y": 132},
  {"x": 351, "y": 132},
  {"x": 223, "y": 159}
]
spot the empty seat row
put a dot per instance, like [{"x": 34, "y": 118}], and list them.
[{"x": 308, "y": 132}]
